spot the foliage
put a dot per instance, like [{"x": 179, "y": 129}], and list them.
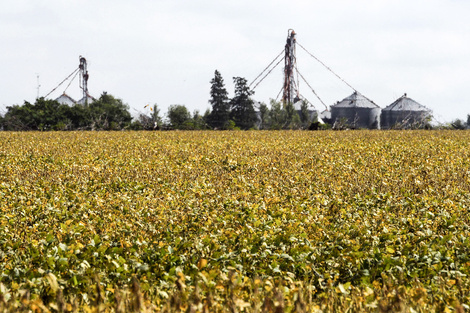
[
  {"x": 305, "y": 115},
  {"x": 292, "y": 117},
  {"x": 220, "y": 114},
  {"x": 198, "y": 121},
  {"x": 106, "y": 113},
  {"x": 42, "y": 115},
  {"x": 458, "y": 124},
  {"x": 284, "y": 116},
  {"x": 235, "y": 221},
  {"x": 242, "y": 110},
  {"x": 152, "y": 121},
  {"x": 264, "y": 116},
  {"x": 179, "y": 116},
  {"x": 277, "y": 115}
]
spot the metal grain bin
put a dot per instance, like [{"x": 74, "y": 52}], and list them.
[
  {"x": 356, "y": 111},
  {"x": 405, "y": 113}
]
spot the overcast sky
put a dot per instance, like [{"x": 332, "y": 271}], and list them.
[{"x": 166, "y": 51}]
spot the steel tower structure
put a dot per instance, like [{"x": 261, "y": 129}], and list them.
[
  {"x": 289, "y": 91},
  {"x": 84, "y": 78}
]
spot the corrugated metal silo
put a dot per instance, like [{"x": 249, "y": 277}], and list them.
[
  {"x": 405, "y": 113},
  {"x": 356, "y": 111}
]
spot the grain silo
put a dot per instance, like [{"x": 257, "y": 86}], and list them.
[
  {"x": 405, "y": 113},
  {"x": 356, "y": 111}
]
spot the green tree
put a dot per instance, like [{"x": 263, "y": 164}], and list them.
[
  {"x": 206, "y": 118},
  {"x": 108, "y": 113},
  {"x": 149, "y": 122},
  {"x": 19, "y": 117},
  {"x": 42, "y": 115},
  {"x": 458, "y": 124},
  {"x": 304, "y": 114},
  {"x": 292, "y": 117},
  {"x": 264, "y": 115},
  {"x": 220, "y": 113},
  {"x": 179, "y": 116},
  {"x": 198, "y": 120},
  {"x": 155, "y": 115},
  {"x": 296, "y": 123},
  {"x": 105, "y": 113},
  {"x": 242, "y": 110},
  {"x": 276, "y": 115},
  {"x": 80, "y": 117}
]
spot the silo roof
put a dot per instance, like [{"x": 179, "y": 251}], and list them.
[
  {"x": 356, "y": 100},
  {"x": 406, "y": 104},
  {"x": 65, "y": 98}
]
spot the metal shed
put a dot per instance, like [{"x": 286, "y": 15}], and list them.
[
  {"x": 405, "y": 113},
  {"x": 357, "y": 112}
]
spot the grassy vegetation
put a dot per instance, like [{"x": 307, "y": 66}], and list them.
[{"x": 235, "y": 221}]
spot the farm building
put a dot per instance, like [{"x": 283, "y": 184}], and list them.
[
  {"x": 405, "y": 113},
  {"x": 356, "y": 111}
]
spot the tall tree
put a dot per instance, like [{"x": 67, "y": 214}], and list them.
[
  {"x": 264, "y": 115},
  {"x": 198, "y": 121},
  {"x": 155, "y": 115},
  {"x": 108, "y": 113},
  {"x": 42, "y": 115},
  {"x": 179, "y": 116},
  {"x": 152, "y": 121},
  {"x": 290, "y": 111},
  {"x": 304, "y": 114},
  {"x": 242, "y": 110},
  {"x": 276, "y": 115},
  {"x": 292, "y": 117},
  {"x": 220, "y": 114}
]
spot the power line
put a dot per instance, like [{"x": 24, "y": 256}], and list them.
[
  {"x": 266, "y": 68},
  {"x": 280, "y": 60},
  {"x": 71, "y": 81},
  {"x": 316, "y": 95},
  {"x": 61, "y": 82}
]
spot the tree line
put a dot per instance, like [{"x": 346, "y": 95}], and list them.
[
  {"x": 105, "y": 113},
  {"x": 110, "y": 113}
]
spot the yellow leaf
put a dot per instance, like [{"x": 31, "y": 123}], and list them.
[{"x": 201, "y": 264}]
